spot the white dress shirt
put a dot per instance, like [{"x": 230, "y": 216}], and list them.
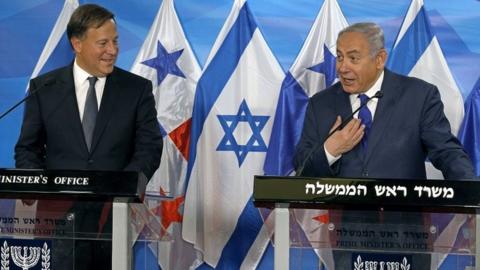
[
  {"x": 80, "y": 78},
  {"x": 355, "y": 103}
]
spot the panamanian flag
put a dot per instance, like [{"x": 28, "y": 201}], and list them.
[{"x": 167, "y": 59}]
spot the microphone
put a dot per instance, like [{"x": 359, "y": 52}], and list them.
[
  {"x": 378, "y": 95},
  {"x": 48, "y": 82}
]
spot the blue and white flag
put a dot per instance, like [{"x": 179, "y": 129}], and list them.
[
  {"x": 232, "y": 119},
  {"x": 312, "y": 71},
  {"x": 469, "y": 132},
  {"x": 417, "y": 53},
  {"x": 167, "y": 59}
]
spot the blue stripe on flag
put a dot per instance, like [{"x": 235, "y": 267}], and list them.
[
  {"x": 218, "y": 72},
  {"x": 237, "y": 247},
  {"x": 144, "y": 257},
  {"x": 413, "y": 44},
  {"x": 287, "y": 127},
  {"x": 469, "y": 131}
]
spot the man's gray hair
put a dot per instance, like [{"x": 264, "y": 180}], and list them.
[{"x": 372, "y": 31}]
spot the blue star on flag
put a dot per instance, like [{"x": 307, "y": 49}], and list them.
[
  {"x": 165, "y": 63},
  {"x": 229, "y": 124},
  {"x": 327, "y": 67}
]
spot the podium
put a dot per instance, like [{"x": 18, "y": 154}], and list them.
[
  {"x": 66, "y": 198},
  {"x": 375, "y": 223}
]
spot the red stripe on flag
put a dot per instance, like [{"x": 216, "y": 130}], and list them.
[
  {"x": 181, "y": 137},
  {"x": 324, "y": 219}
]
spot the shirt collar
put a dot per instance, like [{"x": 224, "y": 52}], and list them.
[
  {"x": 80, "y": 75},
  {"x": 377, "y": 86}
]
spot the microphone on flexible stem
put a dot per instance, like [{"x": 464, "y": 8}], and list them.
[
  {"x": 378, "y": 95},
  {"x": 49, "y": 82}
]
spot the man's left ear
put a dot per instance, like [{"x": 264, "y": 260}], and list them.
[{"x": 381, "y": 58}]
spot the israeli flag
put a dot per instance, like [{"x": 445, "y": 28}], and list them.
[
  {"x": 167, "y": 59},
  {"x": 232, "y": 119},
  {"x": 312, "y": 71},
  {"x": 417, "y": 53}
]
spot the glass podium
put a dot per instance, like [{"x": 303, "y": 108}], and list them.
[
  {"x": 67, "y": 219},
  {"x": 370, "y": 223}
]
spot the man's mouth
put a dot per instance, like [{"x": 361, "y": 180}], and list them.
[{"x": 348, "y": 81}]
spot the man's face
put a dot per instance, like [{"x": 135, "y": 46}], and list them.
[
  {"x": 97, "y": 51},
  {"x": 357, "y": 69}
]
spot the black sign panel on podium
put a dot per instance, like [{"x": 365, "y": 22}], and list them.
[{"x": 372, "y": 223}]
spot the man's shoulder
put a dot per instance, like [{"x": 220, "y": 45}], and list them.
[
  {"x": 327, "y": 94},
  {"x": 54, "y": 74},
  {"x": 124, "y": 75},
  {"x": 406, "y": 81}
]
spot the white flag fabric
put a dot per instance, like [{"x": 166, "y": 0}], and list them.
[
  {"x": 167, "y": 59},
  {"x": 233, "y": 114}
]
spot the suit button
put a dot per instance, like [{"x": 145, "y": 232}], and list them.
[
  {"x": 365, "y": 173},
  {"x": 90, "y": 161}
]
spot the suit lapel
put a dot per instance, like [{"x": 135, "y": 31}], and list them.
[
  {"x": 66, "y": 87},
  {"x": 344, "y": 109},
  {"x": 106, "y": 108},
  {"x": 342, "y": 103},
  {"x": 383, "y": 113}
]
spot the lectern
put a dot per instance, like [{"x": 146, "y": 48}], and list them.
[
  {"x": 28, "y": 239},
  {"x": 375, "y": 223}
]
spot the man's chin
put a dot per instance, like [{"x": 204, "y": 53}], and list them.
[
  {"x": 350, "y": 89},
  {"x": 106, "y": 71}
]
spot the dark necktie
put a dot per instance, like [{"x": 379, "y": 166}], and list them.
[
  {"x": 366, "y": 116},
  {"x": 90, "y": 112}
]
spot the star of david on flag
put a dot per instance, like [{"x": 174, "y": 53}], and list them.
[{"x": 230, "y": 123}]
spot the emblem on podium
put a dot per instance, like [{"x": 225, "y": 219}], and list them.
[{"x": 24, "y": 256}]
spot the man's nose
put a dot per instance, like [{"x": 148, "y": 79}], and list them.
[
  {"x": 112, "y": 48},
  {"x": 342, "y": 67}
]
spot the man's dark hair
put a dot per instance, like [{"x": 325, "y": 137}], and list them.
[{"x": 87, "y": 16}]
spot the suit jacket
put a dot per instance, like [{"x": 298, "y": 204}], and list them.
[
  {"x": 409, "y": 126},
  {"x": 126, "y": 136}
]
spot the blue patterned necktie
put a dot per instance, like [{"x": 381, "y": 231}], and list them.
[
  {"x": 90, "y": 112},
  {"x": 366, "y": 116}
]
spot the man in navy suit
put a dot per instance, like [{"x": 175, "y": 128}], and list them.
[
  {"x": 390, "y": 137},
  {"x": 404, "y": 127},
  {"x": 90, "y": 115}
]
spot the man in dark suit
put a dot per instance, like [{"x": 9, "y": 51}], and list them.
[
  {"x": 406, "y": 125},
  {"x": 91, "y": 115},
  {"x": 390, "y": 137}
]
